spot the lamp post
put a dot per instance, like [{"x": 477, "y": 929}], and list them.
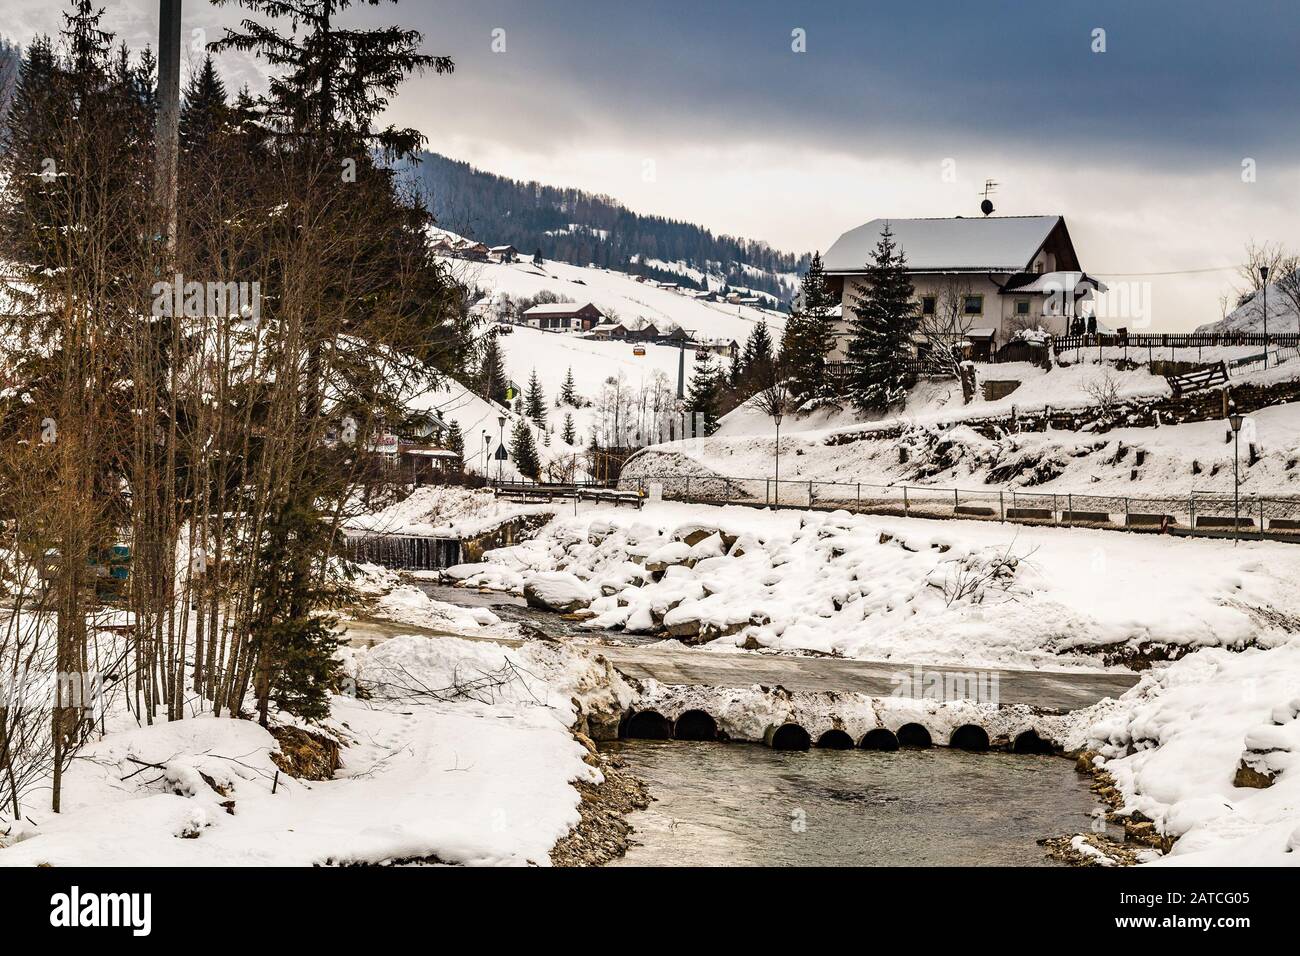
[
  {"x": 501, "y": 441},
  {"x": 1263, "y": 278},
  {"x": 1234, "y": 419}
]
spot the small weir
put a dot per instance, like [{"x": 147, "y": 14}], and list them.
[{"x": 403, "y": 552}]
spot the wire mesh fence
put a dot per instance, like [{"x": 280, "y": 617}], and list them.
[{"x": 1191, "y": 513}]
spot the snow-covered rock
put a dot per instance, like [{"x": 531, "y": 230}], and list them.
[{"x": 557, "y": 591}]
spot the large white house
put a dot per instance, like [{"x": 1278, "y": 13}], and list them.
[{"x": 977, "y": 279}]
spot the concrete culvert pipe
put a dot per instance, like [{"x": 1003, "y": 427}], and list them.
[
  {"x": 695, "y": 725},
  {"x": 882, "y": 739},
  {"x": 789, "y": 737},
  {"x": 969, "y": 737},
  {"x": 1030, "y": 743},
  {"x": 835, "y": 740},
  {"x": 647, "y": 725},
  {"x": 913, "y": 736}
]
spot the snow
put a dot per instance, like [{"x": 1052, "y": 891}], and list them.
[
  {"x": 618, "y": 294},
  {"x": 557, "y": 590},
  {"x": 442, "y": 511},
  {"x": 1249, "y": 316},
  {"x": 989, "y": 244},
  {"x": 908, "y": 589},
  {"x": 1177, "y": 459},
  {"x": 1174, "y": 743},
  {"x": 477, "y": 773}
]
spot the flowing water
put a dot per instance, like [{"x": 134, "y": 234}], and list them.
[
  {"x": 740, "y": 804},
  {"x": 744, "y": 804}
]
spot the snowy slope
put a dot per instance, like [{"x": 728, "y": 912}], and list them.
[
  {"x": 1249, "y": 316},
  {"x": 619, "y": 292}
]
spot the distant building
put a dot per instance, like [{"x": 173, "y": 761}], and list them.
[
  {"x": 563, "y": 317},
  {"x": 504, "y": 253},
  {"x": 986, "y": 277}
]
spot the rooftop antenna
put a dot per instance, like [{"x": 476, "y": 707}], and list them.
[{"x": 986, "y": 206}]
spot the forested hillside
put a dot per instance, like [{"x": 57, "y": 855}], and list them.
[{"x": 581, "y": 228}]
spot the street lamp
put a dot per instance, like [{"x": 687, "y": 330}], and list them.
[
  {"x": 1263, "y": 278},
  {"x": 1234, "y": 419},
  {"x": 501, "y": 441}
]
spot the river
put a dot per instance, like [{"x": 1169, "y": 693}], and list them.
[
  {"x": 745, "y": 804},
  {"x": 735, "y": 804}
]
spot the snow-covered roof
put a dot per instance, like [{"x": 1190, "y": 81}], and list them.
[
  {"x": 1060, "y": 282},
  {"x": 987, "y": 244},
  {"x": 556, "y": 308}
]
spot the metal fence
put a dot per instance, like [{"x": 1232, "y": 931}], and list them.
[{"x": 1194, "y": 513}]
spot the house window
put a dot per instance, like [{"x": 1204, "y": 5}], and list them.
[
  {"x": 1022, "y": 306},
  {"x": 928, "y": 303},
  {"x": 972, "y": 305}
]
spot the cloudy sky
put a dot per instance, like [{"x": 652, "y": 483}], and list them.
[{"x": 707, "y": 112}]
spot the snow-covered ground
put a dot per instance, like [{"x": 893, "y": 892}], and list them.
[
  {"x": 1175, "y": 742},
  {"x": 935, "y": 449},
  {"x": 907, "y": 589},
  {"x": 462, "y": 753},
  {"x": 619, "y": 294},
  {"x": 439, "y": 511}
]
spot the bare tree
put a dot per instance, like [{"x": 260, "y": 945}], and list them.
[
  {"x": 945, "y": 329},
  {"x": 774, "y": 400},
  {"x": 1273, "y": 255}
]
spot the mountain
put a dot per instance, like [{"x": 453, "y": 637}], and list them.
[{"x": 584, "y": 228}]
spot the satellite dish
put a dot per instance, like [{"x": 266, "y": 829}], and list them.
[{"x": 986, "y": 207}]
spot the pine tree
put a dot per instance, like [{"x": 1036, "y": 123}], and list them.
[
  {"x": 524, "y": 450},
  {"x": 492, "y": 378},
  {"x": 569, "y": 433},
  {"x": 455, "y": 440},
  {"x": 537, "y": 258},
  {"x": 704, "y": 397},
  {"x": 535, "y": 401},
  {"x": 569, "y": 391},
  {"x": 205, "y": 108},
  {"x": 885, "y": 318},
  {"x": 809, "y": 336},
  {"x": 332, "y": 82},
  {"x": 757, "y": 360}
]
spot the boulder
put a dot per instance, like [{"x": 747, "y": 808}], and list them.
[{"x": 557, "y": 591}]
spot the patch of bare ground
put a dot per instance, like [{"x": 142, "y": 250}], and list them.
[
  {"x": 1100, "y": 849},
  {"x": 602, "y": 834}
]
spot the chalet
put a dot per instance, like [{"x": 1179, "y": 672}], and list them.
[
  {"x": 563, "y": 316},
  {"x": 726, "y": 348},
  {"x": 504, "y": 253},
  {"x": 980, "y": 280},
  {"x": 608, "y": 330}
]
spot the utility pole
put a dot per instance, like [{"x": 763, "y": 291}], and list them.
[{"x": 166, "y": 132}]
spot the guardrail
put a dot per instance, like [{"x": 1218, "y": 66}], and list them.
[{"x": 1194, "y": 514}]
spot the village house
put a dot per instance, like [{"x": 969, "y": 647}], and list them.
[
  {"x": 504, "y": 253},
  {"x": 563, "y": 316},
  {"x": 979, "y": 280}
]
